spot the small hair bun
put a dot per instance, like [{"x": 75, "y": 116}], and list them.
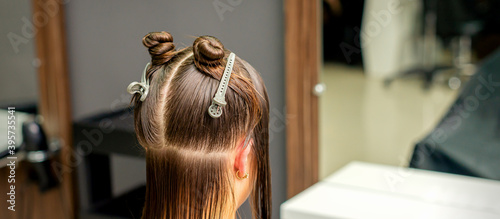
[
  {"x": 208, "y": 51},
  {"x": 160, "y": 46}
]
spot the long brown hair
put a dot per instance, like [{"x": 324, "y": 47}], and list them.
[{"x": 188, "y": 152}]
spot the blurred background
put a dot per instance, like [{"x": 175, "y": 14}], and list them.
[
  {"x": 392, "y": 70},
  {"x": 404, "y": 83}
]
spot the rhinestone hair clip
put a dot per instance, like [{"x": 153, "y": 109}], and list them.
[{"x": 219, "y": 100}]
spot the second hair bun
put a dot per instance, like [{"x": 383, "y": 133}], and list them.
[{"x": 208, "y": 51}]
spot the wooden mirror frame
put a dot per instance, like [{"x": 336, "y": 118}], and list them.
[{"x": 302, "y": 64}]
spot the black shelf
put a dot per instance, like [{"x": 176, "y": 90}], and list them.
[
  {"x": 117, "y": 130},
  {"x": 108, "y": 133}
]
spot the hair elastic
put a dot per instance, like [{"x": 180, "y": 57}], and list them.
[
  {"x": 140, "y": 87},
  {"x": 219, "y": 100}
]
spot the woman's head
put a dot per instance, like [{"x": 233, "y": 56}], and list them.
[{"x": 195, "y": 163}]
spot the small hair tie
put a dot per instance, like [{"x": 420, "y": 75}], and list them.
[
  {"x": 140, "y": 87},
  {"x": 219, "y": 100}
]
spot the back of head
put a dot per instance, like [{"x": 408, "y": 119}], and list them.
[{"x": 187, "y": 151}]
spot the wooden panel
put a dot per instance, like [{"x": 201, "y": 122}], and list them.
[
  {"x": 54, "y": 102},
  {"x": 301, "y": 69}
]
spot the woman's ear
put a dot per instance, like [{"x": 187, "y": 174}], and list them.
[{"x": 241, "y": 162}]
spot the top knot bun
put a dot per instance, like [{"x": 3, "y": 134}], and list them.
[
  {"x": 160, "y": 46},
  {"x": 208, "y": 51}
]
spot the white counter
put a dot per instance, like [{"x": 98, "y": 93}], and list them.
[{"x": 364, "y": 190}]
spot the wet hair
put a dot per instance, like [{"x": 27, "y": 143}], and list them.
[{"x": 188, "y": 153}]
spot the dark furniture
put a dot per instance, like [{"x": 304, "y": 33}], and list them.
[
  {"x": 467, "y": 140},
  {"x": 108, "y": 133}
]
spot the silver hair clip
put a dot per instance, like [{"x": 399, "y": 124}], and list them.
[
  {"x": 142, "y": 87},
  {"x": 219, "y": 100}
]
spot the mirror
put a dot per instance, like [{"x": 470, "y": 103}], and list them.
[{"x": 18, "y": 80}]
